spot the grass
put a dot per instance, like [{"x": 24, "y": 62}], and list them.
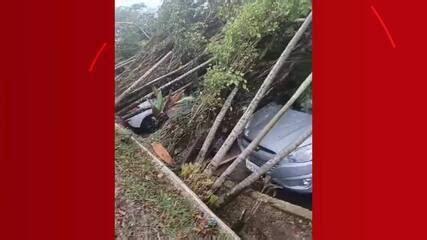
[
  {"x": 144, "y": 185},
  {"x": 200, "y": 183}
]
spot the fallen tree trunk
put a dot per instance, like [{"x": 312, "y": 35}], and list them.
[
  {"x": 123, "y": 107},
  {"x": 238, "y": 128},
  {"x": 254, "y": 144},
  {"x": 129, "y": 115},
  {"x": 264, "y": 168},
  {"x": 118, "y": 77},
  {"x": 162, "y": 77},
  {"x": 136, "y": 103},
  {"x": 124, "y": 63},
  {"x": 211, "y": 135},
  {"x": 125, "y": 92},
  {"x": 282, "y": 205},
  {"x": 170, "y": 83},
  {"x": 182, "y": 76},
  {"x": 147, "y": 87}
]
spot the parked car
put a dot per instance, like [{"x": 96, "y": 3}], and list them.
[
  {"x": 294, "y": 172},
  {"x": 143, "y": 122},
  {"x": 150, "y": 114}
]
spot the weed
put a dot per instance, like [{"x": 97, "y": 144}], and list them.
[
  {"x": 143, "y": 185},
  {"x": 200, "y": 183}
]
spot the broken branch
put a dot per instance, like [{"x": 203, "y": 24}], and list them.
[
  {"x": 120, "y": 98},
  {"x": 211, "y": 135},
  {"x": 254, "y": 144},
  {"x": 238, "y": 128},
  {"x": 265, "y": 168}
]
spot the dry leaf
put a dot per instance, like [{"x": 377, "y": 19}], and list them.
[
  {"x": 173, "y": 99},
  {"x": 162, "y": 153}
]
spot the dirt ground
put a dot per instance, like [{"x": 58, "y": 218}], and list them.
[
  {"x": 262, "y": 221},
  {"x": 148, "y": 207}
]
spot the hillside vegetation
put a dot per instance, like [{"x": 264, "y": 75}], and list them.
[{"x": 203, "y": 62}]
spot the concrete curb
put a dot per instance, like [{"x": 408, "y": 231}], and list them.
[
  {"x": 184, "y": 189},
  {"x": 282, "y": 205}
]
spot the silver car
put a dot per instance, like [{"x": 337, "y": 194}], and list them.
[{"x": 294, "y": 172}]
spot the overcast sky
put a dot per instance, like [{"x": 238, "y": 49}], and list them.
[{"x": 149, "y": 3}]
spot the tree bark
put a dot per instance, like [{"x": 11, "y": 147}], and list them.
[
  {"x": 125, "y": 107},
  {"x": 181, "y": 77},
  {"x": 162, "y": 77},
  {"x": 129, "y": 115},
  {"x": 124, "y": 93},
  {"x": 250, "y": 148},
  {"x": 170, "y": 83},
  {"x": 124, "y": 62},
  {"x": 238, "y": 128},
  {"x": 281, "y": 205},
  {"x": 265, "y": 168},
  {"x": 208, "y": 141}
]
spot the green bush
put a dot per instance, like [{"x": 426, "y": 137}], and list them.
[
  {"x": 178, "y": 19},
  {"x": 237, "y": 51},
  {"x": 257, "y": 19},
  {"x": 218, "y": 78}
]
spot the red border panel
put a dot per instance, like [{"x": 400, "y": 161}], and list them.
[
  {"x": 369, "y": 120},
  {"x": 57, "y": 126},
  {"x": 394, "y": 121},
  {"x": 337, "y": 120}
]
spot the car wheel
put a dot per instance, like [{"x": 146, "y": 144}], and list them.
[{"x": 148, "y": 125}]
